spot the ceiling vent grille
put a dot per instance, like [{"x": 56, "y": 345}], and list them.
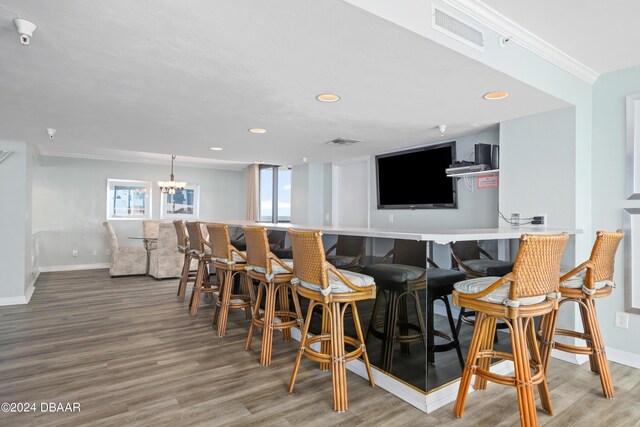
[
  {"x": 4, "y": 155},
  {"x": 343, "y": 141},
  {"x": 457, "y": 29}
]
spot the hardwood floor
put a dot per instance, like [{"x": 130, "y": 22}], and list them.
[{"x": 129, "y": 353}]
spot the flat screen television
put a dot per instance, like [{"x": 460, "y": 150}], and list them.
[{"x": 416, "y": 178}]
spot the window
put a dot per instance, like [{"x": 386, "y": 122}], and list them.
[
  {"x": 275, "y": 193},
  {"x": 128, "y": 199}
]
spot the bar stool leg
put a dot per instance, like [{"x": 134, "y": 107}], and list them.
[
  {"x": 524, "y": 388},
  {"x": 303, "y": 340},
  {"x": 248, "y": 283},
  {"x": 365, "y": 356},
  {"x": 403, "y": 322},
  {"x": 390, "y": 324},
  {"x": 487, "y": 344},
  {"x": 598, "y": 349},
  {"x": 593, "y": 363},
  {"x": 338, "y": 362},
  {"x": 547, "y": 331},
  {"x": 184, "y": 278},
  {"x": 267, "y": 327},
  {"x": 283, "y": 298},
  {"x": 224, "y": 298},
  {"x": 256, "y": 315},
  {"x": 470, "y": 367},
  {"x": 197, "y": 286},
  {"x": 543, "y": 389},
  {"x": 325, "y": 345},
  {"x": 452, "y": 327}
]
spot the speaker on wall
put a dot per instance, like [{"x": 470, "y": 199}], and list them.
[
  {"x": 495, "y": 157},
  {"x": 483, "y": 154}
]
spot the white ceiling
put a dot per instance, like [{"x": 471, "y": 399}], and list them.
[
  {"x": 603, "y": 35},
  {"x": 179, "y": 77}
]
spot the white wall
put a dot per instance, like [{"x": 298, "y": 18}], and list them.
[
  {"x": 307, "y": 193},
  {"x": 69, "y": 204},
  {"x": 15, "y": 223},
  {"x": 608, "y": 193}
]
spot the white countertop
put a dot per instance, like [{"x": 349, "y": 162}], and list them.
[{"x": 440, "y": 236}]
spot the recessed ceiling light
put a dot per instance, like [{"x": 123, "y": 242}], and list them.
[
  {"x": 328, "y": 97},
  {"x": 215, "y": 148},
  {"x": 257, "y": 130},
  {"x": 495, "y": 95}
]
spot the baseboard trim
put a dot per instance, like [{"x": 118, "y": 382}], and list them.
[
  {"x": 73, "y": 267},
  {"x": 18, "y": 300},
  {"x": 623, "y": 357}
]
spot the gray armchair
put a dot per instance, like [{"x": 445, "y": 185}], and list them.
[
  {"x": 125, "y": 261},
  {"x": 166, "y": 260}
]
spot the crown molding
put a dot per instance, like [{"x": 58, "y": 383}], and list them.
[{"x": 499, "y": 23}]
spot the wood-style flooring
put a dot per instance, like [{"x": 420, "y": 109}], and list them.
[{"x": 129, "y": 353}]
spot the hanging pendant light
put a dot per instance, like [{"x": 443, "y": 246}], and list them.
[{"x": 172, "y": 187}]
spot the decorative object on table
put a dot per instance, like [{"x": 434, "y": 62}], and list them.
[
  {"x": 165, "y": 260},
  {"x": 402, "y": 281},
  {"x": 128, "y": 199},
  {"x": 633, "y": 146},
  {"x": 590, "y": 280},
  {"x": 334, "y": 291},
  {"x": 349, "y": 252},
  {"x": 631, "y": 259},
  {"x": 229, "y": 263},
  {"x": 172, "y": 186},
  {"x": 530, "y": 290},
  {"x": 184, "y": 204},
  {"x": 125, "y": 261},
  {"x": 274, "y": 285}
]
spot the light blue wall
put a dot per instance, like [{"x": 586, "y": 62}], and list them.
[
  {"x": 69, "y": 204},
  {"x": 608, "y": 191},
  {"x": 15, "y": 221}
]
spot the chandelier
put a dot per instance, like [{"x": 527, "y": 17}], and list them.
[{"x": 172, "y": 187}]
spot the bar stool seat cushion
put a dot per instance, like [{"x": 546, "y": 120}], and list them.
[
  {"x": 236, "y": 258},
  {"x": 337, "y": 286},
  {"x": 490, "y": 267},
  {"x": 498, "y": 296},
  {"x": 577, "y": 281},
  {"x": 391, "y": 274},
  {"x": 275, "y": 267},
  {"x": 340, "y": 260}
]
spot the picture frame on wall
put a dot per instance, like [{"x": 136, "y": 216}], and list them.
[
  {"x": 182, "y": 205},
  {"x": 632, "y": 257},
  {"x": 633, "y": 146},
  {"x": 128, "y": 199}
]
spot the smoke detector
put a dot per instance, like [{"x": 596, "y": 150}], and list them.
[
  {"x": 343, "y": 141},
  {"x": 51, "y": 132},
  {"x": 25, "y": 29}
]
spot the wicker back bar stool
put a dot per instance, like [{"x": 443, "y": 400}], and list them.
[
  {"x": 229, "y": 263},
  {"x": 590, "y": 280},
  {"x": 200, "y": 249},
  {"x": 348, "y": 252},
  {"x": 402, "y": 281},
  {"x": 184, "y": 248},
  {"x": 530, "y": 290},
  {"x": 335, "y": 291},
  {"x": 274, "y": 276}
]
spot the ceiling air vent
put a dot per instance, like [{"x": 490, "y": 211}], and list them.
[
  {"x": 343, "y": 141},
  {"x": 455, "y": 28}
]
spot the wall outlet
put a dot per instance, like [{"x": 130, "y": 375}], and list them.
[
  {"x": 622, "y": 320},
  {"x": 540, "y": 219},
  {"x": 74, "y": 252},
  {"x": 390, "y": 217}
]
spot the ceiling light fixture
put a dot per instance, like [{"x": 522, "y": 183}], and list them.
[
  {"x": 51, "y": 132},
  {"x": 215, "y": 148},
  {"x": 25, "y": 29},
  {"x": 328, "y": 97},
  {"x": 495, "y": 95},
  {"x": 257, "y": 130},
  {"x": 172, "y": 187},
  {"x": 442, "y": 129}
]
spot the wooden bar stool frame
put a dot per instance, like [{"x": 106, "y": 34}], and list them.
[
  {"x": 536, "y": 272},
  {"x": 225, "y": 257},
  {"x": 197, "y": 244},
  {"x": 310, "y": 265},
  {"x": 187, "y": 275},
  {"x": 275, "y": 288},
  {"x": 599, "y": 267}
]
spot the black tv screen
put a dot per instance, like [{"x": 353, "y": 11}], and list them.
[{"x": 416, "y": 179}]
